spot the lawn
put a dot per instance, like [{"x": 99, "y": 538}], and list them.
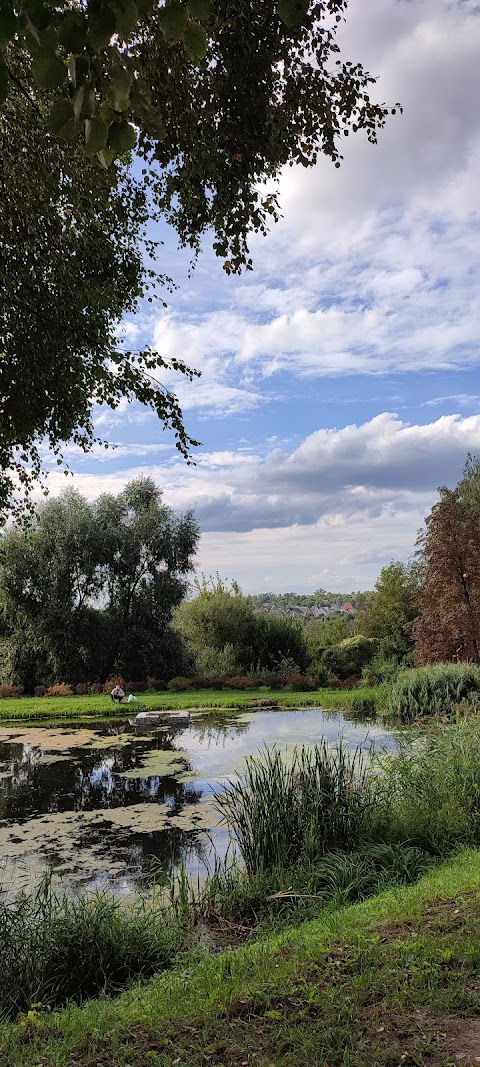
[
  {"x": 394, "y": 980},
  {"x": 96, "y": 706}
]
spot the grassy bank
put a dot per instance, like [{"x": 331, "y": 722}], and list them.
[
  {"x": 91, "y": 705},
  {"x": 393, "y": 980}
]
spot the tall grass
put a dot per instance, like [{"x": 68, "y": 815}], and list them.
[
  {"x": 433, "y": 690},
  {"x": 291, "y": 812},
  {"x": 55, "y": 949},
  {"x": 431, "y": 789}
]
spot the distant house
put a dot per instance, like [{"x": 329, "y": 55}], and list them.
[
  {"x": 348, "y": 609},
  {"x": 298, "y": 611}
]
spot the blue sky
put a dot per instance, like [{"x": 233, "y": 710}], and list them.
[{"x": 340, "y": 379}]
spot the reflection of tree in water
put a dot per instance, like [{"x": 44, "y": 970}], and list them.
[
  {"x": 88, "y": 780},
  {"x": 218, "y": 733}
]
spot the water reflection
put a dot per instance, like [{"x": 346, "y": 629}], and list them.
[{"x": 164, "y": 778}]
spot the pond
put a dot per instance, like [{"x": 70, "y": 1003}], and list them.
[{"x": 114, "y": 808}]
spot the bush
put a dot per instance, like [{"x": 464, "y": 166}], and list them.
[
  {"x": 381, "y": 669},
  {"x": 11, "y": 691},
  {"x": 240, "y": 682},
  {"x": 300, "y": 683},
  {"x": 112, "y": 682},
  {"x": 180, "y": 685},
  {"x": 136, "y": 687},
  {"x": 97, "y": 687},
  {"x": 156, "y": 685},
  {"x": 81, "y": 689},
  {"x": 350, "y": 656},
  {"x": 271, "y": 679},
  {"x": 39, "y": 691},
  {"x": 212, "y": 682},
  {"x": 434, "y": 690},
  {"x": 60, "y": 689}
]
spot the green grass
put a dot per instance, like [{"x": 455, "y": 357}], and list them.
[
  {"x": 365, "y": 699},
  {"x": 394, "y": 980},
  {"x": 55, "y": 949}
]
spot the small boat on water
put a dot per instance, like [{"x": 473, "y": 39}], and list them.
[{"x": 160, "y": 718}]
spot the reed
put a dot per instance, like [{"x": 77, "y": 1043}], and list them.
[
  {"x": 55, "y": 949},
  {"x": 433, "y": 690},
  {"x": 290, "y": 812}
]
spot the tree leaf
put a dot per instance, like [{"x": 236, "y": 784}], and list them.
[
  {"x": 106, "y": 157},
  {"x": 153, "y": 124},
  {"x": 48, "y": 69},
  {"x": 200, "y": 9},
  {"x": 292, "y": 12},
  {"x": 127, "y": 18},
  {"x": 8, "y": 25},
  {"x": 73, "y": 33},
  {"x": 96, "y": 133},
  {"x": 119, "y": 91},
  {"x": 102, "y": 24},
  {"x": 61, "y": 119},
  {"x": 195, "y": 42},
  {"x": 121, "y": 138},
  {"x": 173, "y": 20}
]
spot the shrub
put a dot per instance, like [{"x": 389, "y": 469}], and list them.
[
  {"x": 97, "y": 687},
  {"x": 60, "y": 689},
  {"x": 350, "y": 655},
  {"x": 11, "y": 691},
  {"x": 180, "y": 685},
  {"x": 240, "y": 682},
  {"x": 39, "y": 691},
  {"x": 136, "y": 687},
  {"x": 431, "y": 786},
  {"x": 81, "y": 689},
  {"x": 433, "y": 690},
  {"x": 112, "y": 682},
  {"x": 156, "y": 685},
  {"x": 380, "y": 669},
  {"x": 212, "y": 682},
  {"x": 300, "y": 683},
  {"x": 271, "y": 679}
]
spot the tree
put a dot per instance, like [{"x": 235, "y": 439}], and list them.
[
  {"x": 449, "y": 597},
  {"x": 71, "y": 238},
  {"x": 89, "y": 590},
  {"x": 350, "y": 656},
  {"x": 227, "y": 637},
  {"x": 223, "y": 93},
  {"x": 390, "y": 611}
]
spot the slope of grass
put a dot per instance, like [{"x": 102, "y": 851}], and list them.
[
  {"x": 365, "y": 699},
  {"x": 394, "y": 980}
]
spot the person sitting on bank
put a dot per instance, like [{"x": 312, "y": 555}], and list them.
[{"x": 117, "y": 694}]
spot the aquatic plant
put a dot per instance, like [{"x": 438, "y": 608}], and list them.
[
  {"x": 291, "y": 812},
  {"x": 55, "y": 949}
]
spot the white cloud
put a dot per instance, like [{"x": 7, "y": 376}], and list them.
[{"x": 352, "y": 497}]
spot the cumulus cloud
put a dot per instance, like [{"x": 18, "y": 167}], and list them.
[{"x": 352, "y": 498}]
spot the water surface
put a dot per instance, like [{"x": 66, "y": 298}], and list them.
[{"x": 112, "y": 807}]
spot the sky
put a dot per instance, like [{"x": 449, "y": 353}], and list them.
[{"x": 340, "y": 379}]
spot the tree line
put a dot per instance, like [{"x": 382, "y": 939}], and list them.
[{"x": 89, "y": 591}]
